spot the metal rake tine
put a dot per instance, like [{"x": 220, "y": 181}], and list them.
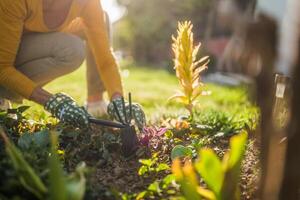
[
  {"x": 130, "y": 107},
  {"x": 124, "y": 110},
  {"x": 118, "y": 114}
]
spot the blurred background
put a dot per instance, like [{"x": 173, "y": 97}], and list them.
[{"x": 142, "y": 29}]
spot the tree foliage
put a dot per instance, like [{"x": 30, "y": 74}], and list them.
[{"x": 145, "y": 30}]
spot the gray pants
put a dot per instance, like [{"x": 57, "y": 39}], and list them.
[{"x": 44, "y": 57}]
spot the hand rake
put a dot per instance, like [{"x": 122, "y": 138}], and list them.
[{"x": 129, "y": 137}]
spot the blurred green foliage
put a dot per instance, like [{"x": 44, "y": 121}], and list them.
[
  {"x": 221, "y": 176},
  {"x": 144, "y": 32},
  {"x": 25, "y": 178}
]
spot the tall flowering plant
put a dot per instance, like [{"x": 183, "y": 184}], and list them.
[{"x": 188, "y": 68}]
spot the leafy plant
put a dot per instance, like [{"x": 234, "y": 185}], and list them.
[
  {"x": 15, "y": 123},
  {"x": 157, "y": 188},
  {"x": 27, "y": 176},
  {"x": 219, "y": 123},
  {"x": 187, "y": 179},
  {"x": 61, "y": 186},
  {"x": 152, "y": 136},
  {"x": 180, "y": 151},
  {"x": 151, "y": 165},
  {"x": 221, "y": 177},
  {"x": 39, "y": 139},
  {"x": 188, "y": 68}
]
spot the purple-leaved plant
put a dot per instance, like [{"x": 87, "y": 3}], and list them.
[{"x": 152, "y": 136}]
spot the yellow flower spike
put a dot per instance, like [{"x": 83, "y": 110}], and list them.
[{"x": 186, "y": 65}]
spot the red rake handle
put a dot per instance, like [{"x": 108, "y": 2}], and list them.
[{"x": 106, "y": 123}]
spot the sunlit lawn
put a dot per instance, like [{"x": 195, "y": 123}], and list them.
[{"x": 151, "y": 88}]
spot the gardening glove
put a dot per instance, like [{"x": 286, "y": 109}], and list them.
[
  {"x": 138, "y": 114},
  {"x": 66, "y": 110}
]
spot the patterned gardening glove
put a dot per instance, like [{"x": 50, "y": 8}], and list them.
[
  {"x": 138, "y": 114},
  {"x": 66, "y": 110}
]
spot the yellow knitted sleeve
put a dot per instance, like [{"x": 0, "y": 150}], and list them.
[
  {"x": 95, "y": 28},
  {"x": 12, "y": 16}
]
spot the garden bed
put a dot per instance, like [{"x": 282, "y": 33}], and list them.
[{"x": 147, "y": 174}]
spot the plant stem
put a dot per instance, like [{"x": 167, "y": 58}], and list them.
[{"x": 190, "y": 109}]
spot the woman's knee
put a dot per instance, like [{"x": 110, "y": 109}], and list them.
[{"x": 70, "y": 51}]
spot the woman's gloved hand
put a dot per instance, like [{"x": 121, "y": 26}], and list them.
[
  {"x": 66, "y": 110},
  {"x": 138, "y": 114}
]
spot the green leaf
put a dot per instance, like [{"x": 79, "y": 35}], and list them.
[
  {"x": 181, "y": 151},
  {"x": 154, "y": 187},
  {"x": 22, "y": 109},
  {"x": 28, "y": 178},
  {"x": 61, "y": 188},
  {"x": 169, "y": 134},
  {"x": 25, "y": 141},
  {"x": 142, "y": 195},
  {"x": 147, "y": 162},
  {"x": 210, "y": 168},
  {"x": 207, "y": 194},
  {"x": 167, "y": 181},
  {"x": 143, "y": 169},
  {"x": 12, "y": 111},
  {"x": 232, "y": 164},
  {"x": 237, "y": 150},
  {"x": 189, "y": 183},
  {"x": 39, "y": 139},
  {"x": 162, "y": 167},
  {"x": 76, "y": 183},
  {"x": 58, "y": 188}
]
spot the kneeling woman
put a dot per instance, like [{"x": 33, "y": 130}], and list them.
[{"x": 41, "y": 40}]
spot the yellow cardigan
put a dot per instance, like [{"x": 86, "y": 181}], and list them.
[{"x": 19, "y": 15}]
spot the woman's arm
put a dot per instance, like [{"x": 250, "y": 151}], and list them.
[
  {"x": 63, "y": 107},
  {"x": 40, "y": 96},
  {"x": 95, "y": 29},
  {"x": 12, "y": 16}
]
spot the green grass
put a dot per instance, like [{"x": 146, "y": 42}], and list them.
[{"x": 151, "y": 88}]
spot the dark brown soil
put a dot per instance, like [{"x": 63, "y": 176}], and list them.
[{"x": 112, "y": 173}]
